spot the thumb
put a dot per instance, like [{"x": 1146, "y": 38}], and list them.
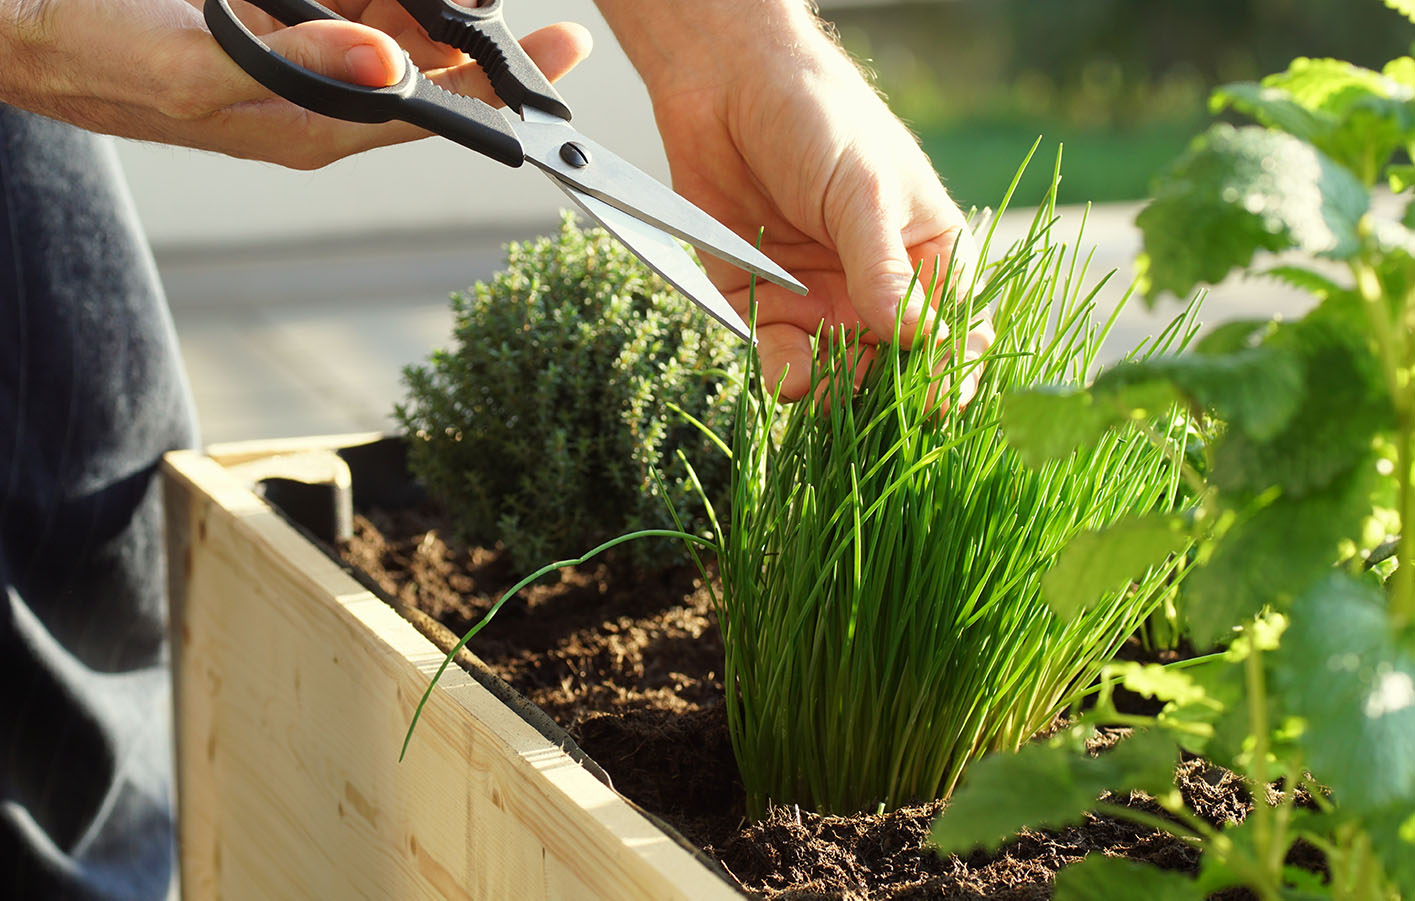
[{"x": 346, "y": 51}]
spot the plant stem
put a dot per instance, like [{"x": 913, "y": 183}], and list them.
[
  {"x": 1394, "y": 353},
  {"x": 1368, "y": 285},
  {"x": 511, "y": 592},
  {"x": 1402, "y": 599},
  {"x": 1268, "y": 844},
  {"x": 1158, "y": 823}
]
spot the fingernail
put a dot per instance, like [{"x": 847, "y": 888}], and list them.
[
  {"x": 967, "y": 389},
  {"x": 370, "y": 67},
  {"x": 914, "y": 303}
]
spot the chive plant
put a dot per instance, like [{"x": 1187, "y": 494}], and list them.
[{"x": 881, "y": 564}]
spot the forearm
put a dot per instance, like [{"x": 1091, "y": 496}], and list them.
[
  {"x": 26, "y": 39},
  {"x": 117, "y": 68},
  {"x": 666, "y": 37}
]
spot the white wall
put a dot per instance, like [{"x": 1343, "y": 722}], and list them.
[{"x": 191, "y": 199}]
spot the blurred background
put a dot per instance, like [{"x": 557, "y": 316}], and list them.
[
  {"x": 1122, "y": 83},
  {"x": 299, "y": 296}
]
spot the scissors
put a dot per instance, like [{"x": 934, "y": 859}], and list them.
[{"x": 641, "y": 213}]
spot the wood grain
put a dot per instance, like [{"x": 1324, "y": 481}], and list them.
[{"x": 294, "y": 689}]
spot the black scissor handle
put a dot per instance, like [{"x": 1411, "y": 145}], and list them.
[
  {"x": 414, "y": 99},
  {"x": 481, "y": 33}
]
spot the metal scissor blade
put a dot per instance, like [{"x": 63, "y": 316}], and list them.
[
  {"x": 663, "y": 255},
  {"x": 618, "y": 183}
]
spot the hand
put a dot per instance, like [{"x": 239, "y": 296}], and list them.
[
  {"x": 149, "y": 69},
  {"x": 771, "y": 126}
]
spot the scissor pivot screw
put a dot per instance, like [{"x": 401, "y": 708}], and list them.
[{"x": 574, "y": 154}]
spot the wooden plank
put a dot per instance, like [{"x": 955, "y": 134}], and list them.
[
  {"x": 231, "y": 453},
  {"x": 294, "y": 688}
]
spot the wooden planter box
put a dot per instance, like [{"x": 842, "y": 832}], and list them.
[{"x": 294, "y": 685}]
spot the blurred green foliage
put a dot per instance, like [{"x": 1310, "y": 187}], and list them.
[{"x": 1122, "y": 83}]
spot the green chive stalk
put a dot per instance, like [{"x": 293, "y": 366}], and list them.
[{"x": 882, "y": 561}]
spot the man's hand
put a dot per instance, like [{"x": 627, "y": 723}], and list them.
[
  {"x": 149, "y": 69},
  {"x": 768, "y": 124}
]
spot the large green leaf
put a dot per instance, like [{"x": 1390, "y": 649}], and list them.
[
  {"x": 1100, "y": 878},
  {"x": 1392, "y": 834},
  {"x": 1240, "y": 190},
  {"x": 1326, "y": 418},
  {"x": 1233, "y": 335},
  {"x": 1341, "y": 670},
  {"x": 1304, "y": 279},
  {"x": 1048, "y": 784},
  {"x": 1273, "y": 107},
  {"x": 1044, "y": 424},
  {"x": 1354, "y": 115},
  {"x": 1277, "y": 553},
  {"x": 1255, "y": 389},
  {"x": 1094, "y": 563}
]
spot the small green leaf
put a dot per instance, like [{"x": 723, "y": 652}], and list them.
[
  {"x": 1400, "y": 176},
  {"x": 1095, "y": 563},
  {"x": 1100, "y": 878},
  {"x": 1048, "y": 784},
  {"x": 1163, "y": 683},
  {"x": 1341, "y": 670},
  {"x": 1405, "y": 7},
  {"x": 1238, "y": 191},
  {"x": 1304, "y": 884}
]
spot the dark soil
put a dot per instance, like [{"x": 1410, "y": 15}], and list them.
[{"x": 629, "y": 666}]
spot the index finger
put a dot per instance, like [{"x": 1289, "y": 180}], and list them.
[
  {"x": 388, "y": 16},
  {"x": 391, "y": 18}
]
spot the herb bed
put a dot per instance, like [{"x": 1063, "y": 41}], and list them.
[{"x": 631, "y": 668}]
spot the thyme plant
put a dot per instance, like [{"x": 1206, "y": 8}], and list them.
[
  {"x": 883, "y": 563},
  {"x": 545, "y": 422}
]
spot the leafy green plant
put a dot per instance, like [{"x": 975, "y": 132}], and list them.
[
  {"x": 882, "y": 564},
  {"x": 1313, "y": 468},
  {"x": 563, "y": 394}
]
